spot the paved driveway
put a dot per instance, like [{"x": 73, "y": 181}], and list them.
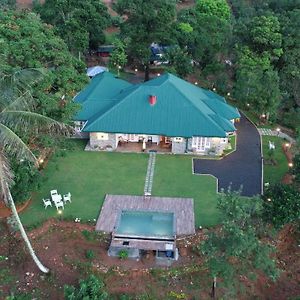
[{"x": 241, "y": 168}]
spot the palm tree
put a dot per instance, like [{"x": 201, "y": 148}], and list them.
[{"x": 18, "y": 120}]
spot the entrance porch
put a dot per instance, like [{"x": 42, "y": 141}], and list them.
[{"x": 138, "y": 147}]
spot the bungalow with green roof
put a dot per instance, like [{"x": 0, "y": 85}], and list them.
[{"x": 165, "y": 114}]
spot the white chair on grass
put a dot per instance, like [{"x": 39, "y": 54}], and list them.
[
  {"x": 53, "y": 192},
  {"x": 59, "y": 204},
  {"x": 47, "y": 203},
  {"x": 67, "y": 197}
]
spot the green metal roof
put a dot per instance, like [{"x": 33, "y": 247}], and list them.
[
  {"x": 182, "y": 109},
  {"x": 98, "y": 96}
]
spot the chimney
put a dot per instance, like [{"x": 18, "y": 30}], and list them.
[{"x": 152, "y": 100}]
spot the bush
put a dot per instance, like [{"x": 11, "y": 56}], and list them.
[
  {"x": 123, "y": 254},
  {"x": 90, "y": 254},
  {"x": 281, "y": 205},
  {"x": 26, "y": 180},
  {"x": 90, "y": 288}
]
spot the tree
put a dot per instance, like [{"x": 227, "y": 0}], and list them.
[
  {"x": 281, "y": 205},
  {"x": 211, "y": 24},
  {"x": 5, "y": 4},
  {"x": 16, "y": 118},
  {"x": 180, "y": 61},
  {"x": 79, "y": 23},
  {"x": 146, "y": 22},
  {"x": 217, "y": 8},
  {"x": 118, "y": 57},
  {"x": 255, "y": 72},
  {"x": 265, "y": 35},
  {"x": 235, "y": 248},
  {"x": 28, "y": 43}
]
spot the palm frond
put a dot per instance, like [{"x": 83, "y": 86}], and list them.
[
  {"x": 24, "y": 79},
  {"x": 13, "y": 144},
  {"x": 22, "y": 102},
  {"x": 6, "y": 177},
  {"x": 31, "y": 122},
  {"x": 16, "y": 88}
]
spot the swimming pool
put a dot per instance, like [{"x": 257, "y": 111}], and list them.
[{"x": 145, "y": 224}]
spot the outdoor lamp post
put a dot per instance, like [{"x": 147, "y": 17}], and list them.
[{"x": 278, "y": 130}]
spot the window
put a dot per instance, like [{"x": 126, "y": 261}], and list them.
[{"x": 201, "y": 143}]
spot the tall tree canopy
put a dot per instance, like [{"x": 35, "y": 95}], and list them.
[
  {"x": 28, "y": 43},
  {"x": 255, "y": 72},
  {"x": 79, "y": 23},
  {"x": 211, "y": 30},
  {"x": 235, "y": 248},
  {"x": 146, "y": 22}
]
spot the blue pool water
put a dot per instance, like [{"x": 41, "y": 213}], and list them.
[{"x": 146, "y": 224}]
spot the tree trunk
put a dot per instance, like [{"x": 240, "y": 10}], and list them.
[
  {"x": 24, "y": 235},
  {"x": 214, "y": 287},
  {"x": 147, "y": 72}
]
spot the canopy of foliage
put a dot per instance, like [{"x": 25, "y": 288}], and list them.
[{"x": 79, "y": 23}]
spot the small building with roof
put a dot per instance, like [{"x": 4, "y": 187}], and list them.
[{"x": 165, "y": 114}]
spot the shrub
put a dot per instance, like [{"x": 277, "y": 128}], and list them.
[
  {"x": 123, "y": 254},
  {"x": 90, "y": 254},
  {"x": 281, "y": 205},
  {"x": 90, "y": 288}
]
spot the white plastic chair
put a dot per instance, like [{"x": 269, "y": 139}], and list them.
[
  {"x": 67, "y": 197},
  {"x": 53, "y": 192},
  {"x": 47, "y": 203},
  {"x": 59, "y": 204}
]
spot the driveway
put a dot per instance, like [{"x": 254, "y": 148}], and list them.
[{"x": 241, "y": 168}]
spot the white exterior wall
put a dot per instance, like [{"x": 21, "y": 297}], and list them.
[{"x": 208, "y": 146}]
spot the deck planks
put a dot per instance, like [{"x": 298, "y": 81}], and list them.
[{"x": 183, "y": 209}]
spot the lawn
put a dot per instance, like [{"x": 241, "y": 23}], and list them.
[
  {"x": 91, "y": 175},
  {"x": 274, "y": 174},
  {"x": 173, "y": 177}
]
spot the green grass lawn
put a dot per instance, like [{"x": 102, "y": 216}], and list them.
[
  {"x": 91, "y": 175},
  {"x": 273, "y": 174},
  {"x": 173, "y": 177}
]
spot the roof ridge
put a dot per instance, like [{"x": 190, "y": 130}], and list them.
[
  {"x": 199, "y": 111},
  {"x": 137, "y": 86}
]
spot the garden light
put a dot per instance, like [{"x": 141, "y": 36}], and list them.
[
  {"x": 228, "y": 94},
  {"x": 59, "y": 211},
  {"x": 269, "y": 199},
  {"x": 135, "y": 70},
  {"x": 290, "y": 165},
  {"x": 158, "y": 74},
  {"x": 196, "y": 82},
  {"x": 248, "y": 104},
  {"x": 214, "y": 89},
  {"x": 287, "y": 145}
]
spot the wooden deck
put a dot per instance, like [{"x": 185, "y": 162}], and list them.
[{"x": 183, "y": 209}]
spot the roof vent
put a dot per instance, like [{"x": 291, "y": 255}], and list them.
[{"x": 152, "y": 100}]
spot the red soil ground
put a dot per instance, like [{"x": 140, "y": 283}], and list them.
[{"x": 61, "y": 246}]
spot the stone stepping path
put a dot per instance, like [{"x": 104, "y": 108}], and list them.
[
  {"x": 267, "y": 131},
  {"x": 150, "y": 174},
  {"x": 270, "y": 132}
]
